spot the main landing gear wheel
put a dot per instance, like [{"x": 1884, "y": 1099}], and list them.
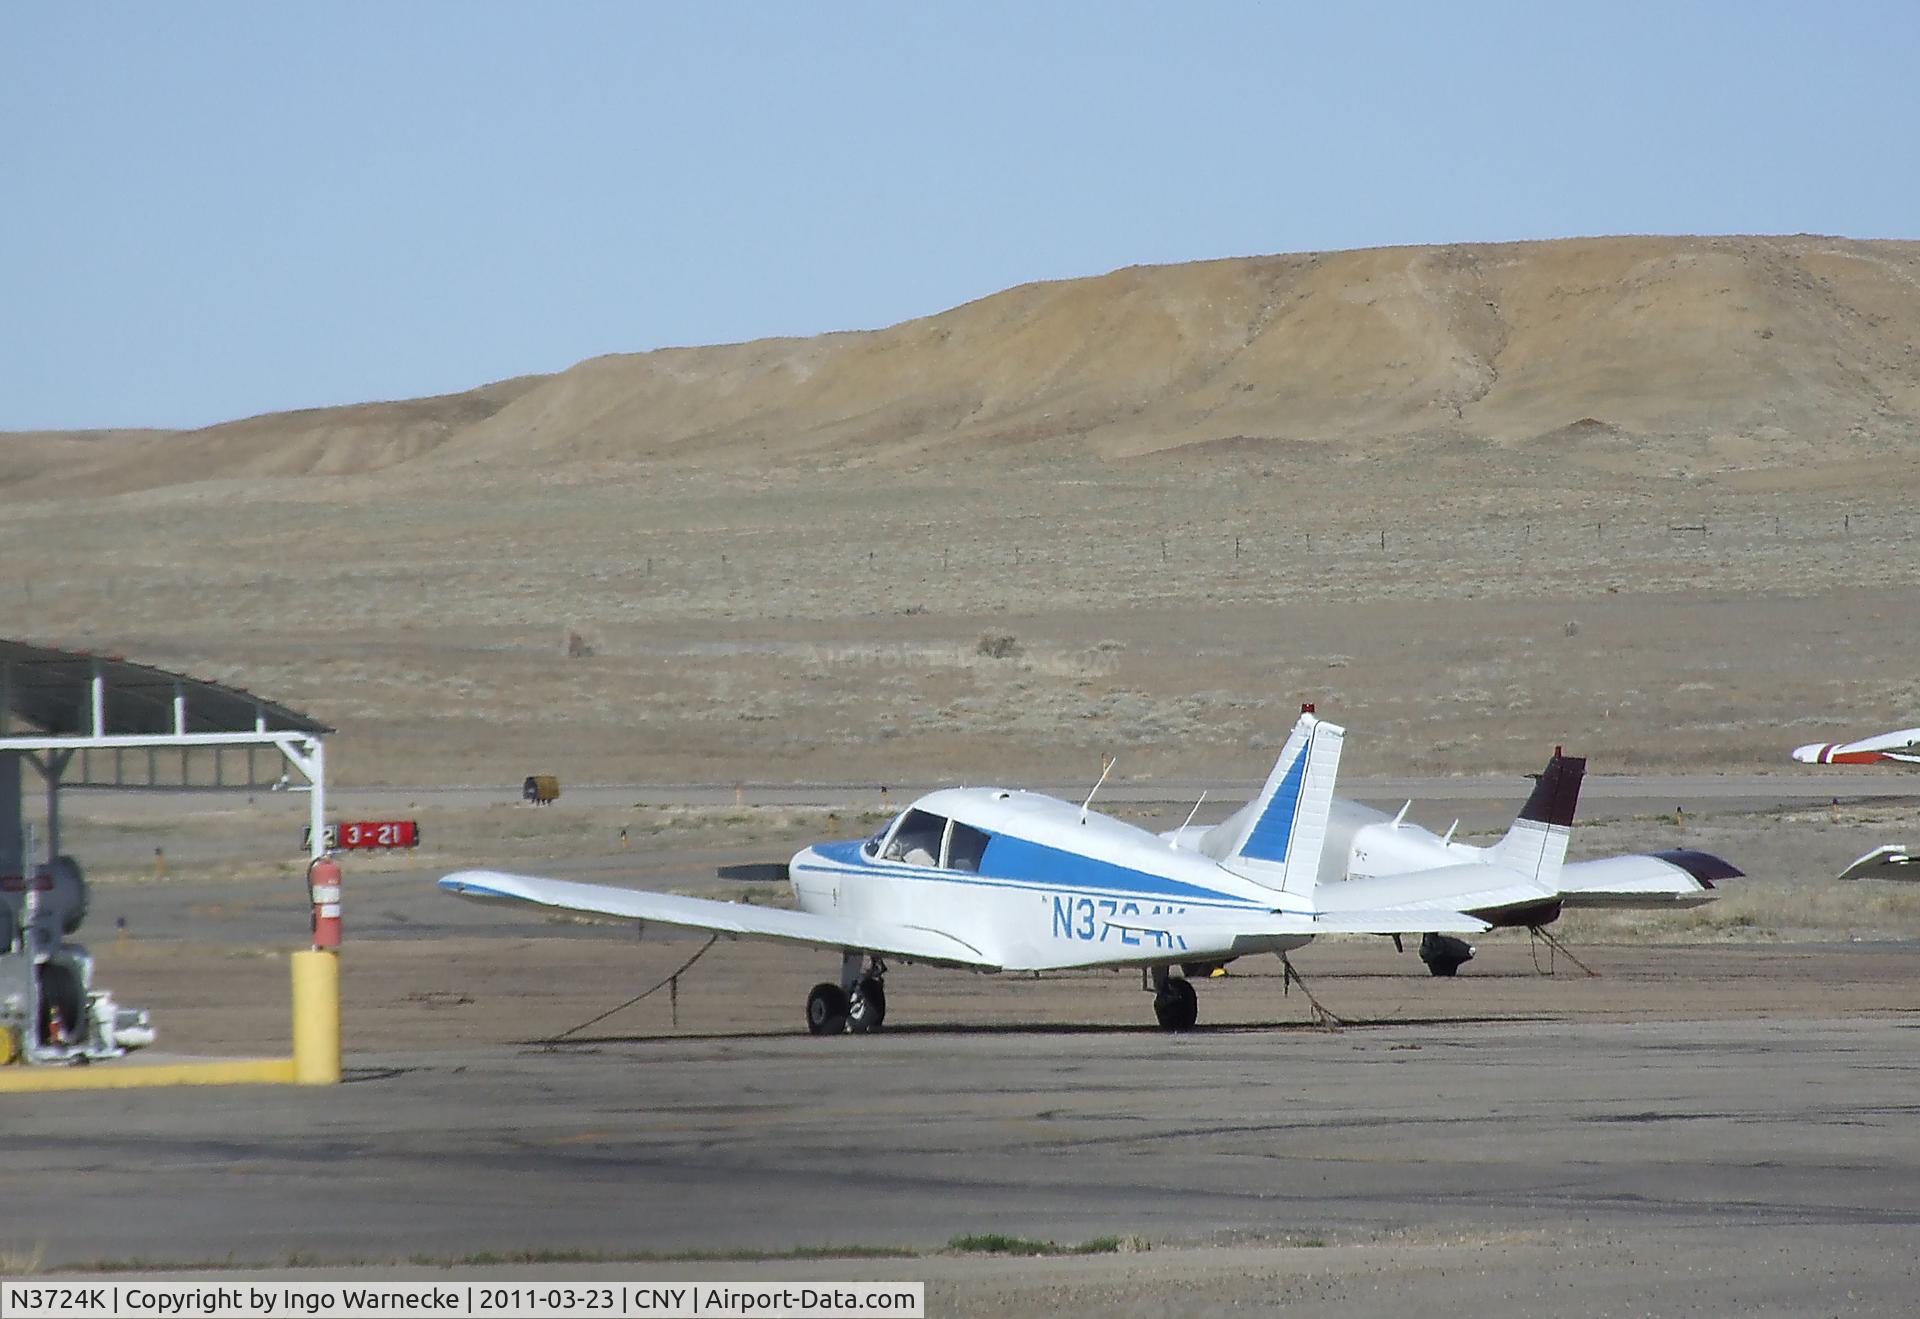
[
  {"x": 1176, "y": 1005},
  {"x": 1444, "y": 954},
  {"x": 867, "y": 1007},
  {"x": 827, "y": 1009}
]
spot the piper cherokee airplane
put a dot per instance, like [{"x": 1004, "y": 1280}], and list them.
[
  {"x": 1902, "y": 747},
  {"x": 997, "y": 880},
  {"x": 1372, "y": 862}
]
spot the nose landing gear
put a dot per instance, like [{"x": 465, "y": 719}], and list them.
[
  {"x": 827, "y": 1009},
  {"x": 867, "y": 1007}
]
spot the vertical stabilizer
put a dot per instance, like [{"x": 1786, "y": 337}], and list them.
[
  {"x": 1276, "y": 838},
  {"x": 1536, "y": 845}
]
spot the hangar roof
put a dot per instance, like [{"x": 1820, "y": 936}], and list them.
[{"x": 68, "y": 693}]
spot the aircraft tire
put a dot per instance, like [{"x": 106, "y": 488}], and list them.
[
  {"x": 827, "y": 1009},
  {"x": 867, "y": 1009},
  {"x": 1177, "y": 1008}
]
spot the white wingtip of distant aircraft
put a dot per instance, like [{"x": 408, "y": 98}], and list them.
[
  {"x": 1888, "y": 861},
  {"x": 1899, "y": 747}
]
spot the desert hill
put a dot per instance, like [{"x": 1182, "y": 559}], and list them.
[
  {"x": 1650, "y": 496},
  {"x": 1743, "y": 351}
]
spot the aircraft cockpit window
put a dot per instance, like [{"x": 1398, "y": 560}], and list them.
[
  {"x": 965, "y": 846},
  {"x": 872, "y": 846},
  {"x": 917, "y": 840}
]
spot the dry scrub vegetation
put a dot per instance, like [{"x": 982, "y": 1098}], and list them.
[{"x": 1647, "y": 497}]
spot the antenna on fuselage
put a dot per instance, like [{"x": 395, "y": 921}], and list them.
[
  {"x": 1108, "y": 769},
  {"x": 1175, "y": 840}
]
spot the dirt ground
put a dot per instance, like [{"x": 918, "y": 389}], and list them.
[{"x": 835, "y": 626}]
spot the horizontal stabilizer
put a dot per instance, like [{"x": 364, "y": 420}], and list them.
[
  {"x": 1677, "y": 877},
  {"x": 1888, "y": 861}
]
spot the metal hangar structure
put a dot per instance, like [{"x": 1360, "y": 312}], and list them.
[{"x": 97, "y": 721}]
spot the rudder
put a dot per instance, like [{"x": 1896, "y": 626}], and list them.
[
  {"x": 1536, "y": 844},
  {"x": 1276, "y": 838}
]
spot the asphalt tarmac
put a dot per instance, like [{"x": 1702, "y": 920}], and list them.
[
  {"x": 1708, "y": 1128},
  {"x": 1797, "y": 1137}
]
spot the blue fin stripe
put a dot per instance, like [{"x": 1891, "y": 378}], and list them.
[{"x": 1272, "y": 834}]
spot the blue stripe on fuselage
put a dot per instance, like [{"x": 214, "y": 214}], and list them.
[{"x": 1016, "y": 862}]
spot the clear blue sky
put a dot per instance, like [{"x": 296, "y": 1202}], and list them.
[{"x": 211, "y": 211}]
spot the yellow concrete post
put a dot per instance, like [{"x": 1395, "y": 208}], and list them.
[{"x": 316, "y": 1017}]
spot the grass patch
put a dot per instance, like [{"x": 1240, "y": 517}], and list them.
[
  {"x": 17, "y": 1264},
  {"x": 138, "y": 1265},
  {"x": 999, "y": 1243}
]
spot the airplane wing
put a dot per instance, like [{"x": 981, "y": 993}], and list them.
[
  {"x": 1418, "y": 896},
  {"x": 1890, "y": 861},
  {"x": 739, "y": 919},
  {"x": 1438, "y": 919},
  {"x": 1902, "y": 745},
  {"x": 1191, "y": 936},
  {"x": 1258, "y": 924}
]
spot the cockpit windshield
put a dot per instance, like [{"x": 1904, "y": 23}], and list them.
[
  {"x": 872, "y": 846},
  {"x": 921, "y": 838},
  {"x": 917, "y": 840}
]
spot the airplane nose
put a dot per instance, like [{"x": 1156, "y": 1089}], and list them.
[{"x": 1810, "y": 753}]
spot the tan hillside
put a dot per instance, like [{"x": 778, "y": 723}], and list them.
[
  {"x": 1749, "y": 351},
  {"x": 1647, "y": 496}
]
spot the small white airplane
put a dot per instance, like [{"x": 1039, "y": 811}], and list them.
[
  {"x": 997, "y": 880},
  {"x": 1900, "y": 747},
  {"x": 991, "y": 879}
]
